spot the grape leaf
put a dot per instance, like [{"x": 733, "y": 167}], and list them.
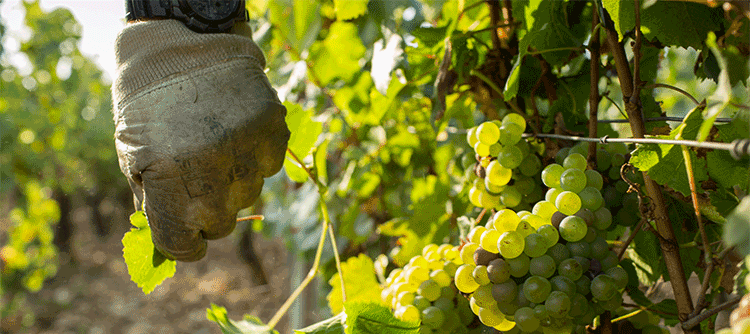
[
  {"x": 646, "y": 255},
  {"x": 305, "y": 133},
  {"x": 349, "y": 9},
  {"x": 361, "y": 284},
  {"x": 337, "y": 56},
  {"x": 146, "y": 266},
  {"x": 371, "y": 318},
  {"x": 298, "y": 21},
  {"x": 248, "y": 325}
]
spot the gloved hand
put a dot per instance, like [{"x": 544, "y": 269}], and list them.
[{"x": 198, "y": 127}]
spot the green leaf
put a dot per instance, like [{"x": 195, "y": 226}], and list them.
[
  {"x": 146, "y": 266},
  {"x": 667, "y": 308},
  {"x": 321, "y": 166},
  {"x": 249, "y": 325},
  {"x": 360, "y": 280},
  {"x": 332, "y": 325},
  {"x": 737, "y": 227},
  {"x": 678, "y": 23},
  {"x": 430, "y": 36},
  {"x": 371, "y": 318},
  {"x": 305, "y": 132},
  {"x": 349, "y": 9},
  {"x": 646, "y": 255},
  {"x": 337, "y": 57},
  {"x": 298, "y": 21}
]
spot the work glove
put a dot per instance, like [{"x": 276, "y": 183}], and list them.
[{"x": 198, "y": 127}]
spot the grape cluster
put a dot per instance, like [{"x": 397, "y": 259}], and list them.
[
  {"x": 550, "y": 268},
  {"x": 506, "y": 163},
  {"x": 424, "y": 290}
]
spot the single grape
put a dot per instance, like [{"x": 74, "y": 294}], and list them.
[
  {"x": 603, "y": 160},
  {"x": 551, "y": 175},
  {"x": 510, "y": 197},
  {"x": 515, "y": 119},
  {"x": 568, "y": 202},
  {"x": 463, "y": 309},
  {"x": 591, "y": 198},
  {"x": 594, "y": 179},
  {"x": 543, "y": 266},
  {"x": 558, "y": 252},
  {"x": 497, "y": 174},
  {"x": 599, "y": 248},
  {"x": 489, "y": 201},
  {"x": 475, "y": 235},
  {"x": 475, "y": 194},
  {"x": 570, "y": 268},
  {"x": 405, "y": 298},
  {"x": 583, "y": 285},
  {"x": 489, "y": 240},
  {"x": 584, "y": 262},
  {"x": 490, "y": 316},
  {"x": 581, "y": 148},
  {"x": 603, "y": 287},
  {"x": 482, "y": 257},
  {"x": 416, "y": 275},
  {"x": 525, "y": 320},
  {"x": 540, "y": 312},
  {"x": 471, "y": 136},
  {"x": 535, "y": 221},
  {"x": 603, "y": 218},
  {"x": 505, "y": 220},
  {"x": 442, "y": 278},
  {"x": 450, "y": 268},
  {"x": 494, "y": 150},
  {"x": 536, "y": 289},
  {"x": 544, "y": 209},
  {"x": 550, "y": 234},
  {"x": 519, "y": 266},
  {"x": 488, "y": 133},
  {"x": 448, "y": 292},
  {"x": 483, "y": 296},
  {"x": 531, "y": 165},
  {"x": 535, "y": 245},
  {"x": 467, "y": 253},
  {"x": 573, "y": 179},
  {"x": 480, "y": 275},
  {"x": 408, "y": 313},
  {"x": 524, "y": 184},
  {"x": 561, "y": 155},
  {"x": 556, "y": 218},
  {"x": 511, "y": 244},
  {"x": 510, "y": 134},
  {"x": 482, "y": 149},
  {"x": 465, "y": 279},
  {"x": 510, "y": 156},
  {"x": 504, "y": 292},
  {"x": 429, "y": 289},
  {"x": 551, "y": 195},
  {"x": 498, "y": 271},
  {"x": 492, "y": 188},
  {"x": 579, "y": 248},
  {"x": 611, "y": 304},
  {"x": 579, "y": 305},
  {"x": 525, "y": 228},
  {"x": 572, "y": 228},
  {"x": 433, "y": 317},
  {"x": 558, "y": 304},
  {"x": 587, "y": 216},
  {"x": 619, "y": 275},
  {"x": 575, "y": 160},
  {"x": 421, "y": 303},
  {"x": 609, "y": 261}
]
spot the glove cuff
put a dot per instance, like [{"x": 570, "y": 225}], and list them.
[{"x": 148, "y": 52}]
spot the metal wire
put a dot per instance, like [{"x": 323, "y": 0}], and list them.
[{"x": 737, "y": 148}]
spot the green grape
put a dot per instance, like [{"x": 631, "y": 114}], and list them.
[
  {"x": 536, "y": 289},
  {"x": 575, "y": 160},
  {"x": 603, "y": 218},
  {"x": 510, "y": 156},
  {"x": 408, "y": 313},
  {"x": 531, "y": 165},
  {"x": 519, "y": 266},
  {"x": 561, "y": 155},
  {"x": 603, "y": 287},
  {"x": 433, "y": 317},
  {"x": 583, "y": 285},
  {"x": 579, "y": 248},
  {"x": 480, "y": 275},
  {"x": 542, "y": 266},
  {"x": 544, "y": 209},
  {"x": 581, "y": 148},
  {"x": 464, "y": 311},
  {"x": 535, "y": 221},
  {"x": 558, "y": 252},
  {"x": 489, "y": 201},
  {"x": 504, "y": 292},
  {"x": 450, "y": 267},
  {"x": 619, "y": 275},
  {"x": 591, "y": 198},
  {"x": 525, "y": 320},
  {"x": 563, "y": 284},
  {"x": 471, "y": 136},
  {"x": 573, "y": 228},
  {"x": 505, "y": 220},
  {"x": 448, "y": 292},
  {"x": 558, "y": 304},
  {"x": 618, "y": 160},
  {"x": 540, "y": 312},
  {"x": 488, "y": 133},
  {"x": 495, "y": 150},
  {"x": 573, "y": 179},
  {"x": 510, "y": 197},
  {"x": 498, "y": 271},
  {"x": 485, "y": 161},
  {"x": 525, "y": 228},
  {"x": 568, "y": 202},
  {"x": 551, "y": 175},
  {"x": 429, "y": 289},
  {"x": 416, "y": 275},
  {"x": 550, "y": 234},
  {"x": 421, "y": 303},
  {"x": 510, "y": 134},
  {"x": 467, "y": 253},
  {"x": 483, "y": 296},
  {"x": 441, "y": 277},
  {"x": 551, "y": 195},
  {"x": 465, "y": 279},
  {"x": 474, "y": 196},
  {"x": 579, "y": 305},
  {"x": 535, "y": 245},
  {"x": 584, "y": 262},
  {"x": 515, "y": 119},
  {"x": 452, "y": 321},
  {"x": 405, "y": 298},
  {"x": 489, "y": 240},
  {"x": 482, "y": 149},
  {"x": 603, "y": 160},
  {"x": 599, "y": 248},
  {"x": 524, "y": 184},
  {"x": 609, "y": 261},
  {"x": 611, "y": 304},
  {"x": 591, "y": 233},
  {"x": 594, "y": 179},
  {"x": 497, "y": 174},
  {"x": 490, "y": 316},
  {"x": 492, "y": 188},
  {"x": 614, "y": 172},
  {"x": 475, "y": 235},
  {"x": 511, "y": 244},
  {"x": 428, "y": 249},
  {"x": 570, "y": 268}
]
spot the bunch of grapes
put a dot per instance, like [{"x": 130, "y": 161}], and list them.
[
  {"x": 550, "y": 268},
  {"x": 506, "y": 163},
  {"x": 424, "y": 290}
]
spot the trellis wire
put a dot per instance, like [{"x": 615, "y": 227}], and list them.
[{"x": 738, "y": 147}]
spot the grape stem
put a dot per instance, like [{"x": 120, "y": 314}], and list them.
[{"x": 695, "y": 320}]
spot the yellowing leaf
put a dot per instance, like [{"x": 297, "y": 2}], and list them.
[{"x": 360, "y": 281}]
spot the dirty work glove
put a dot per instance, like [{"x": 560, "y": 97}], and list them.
[{"x": 198, "y": 127}]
